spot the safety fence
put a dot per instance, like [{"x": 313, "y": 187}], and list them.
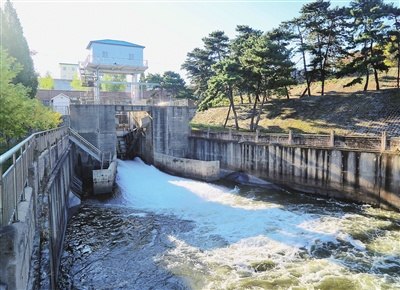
[{"x": 14, "y": 166}]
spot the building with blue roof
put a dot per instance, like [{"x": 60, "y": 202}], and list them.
[{"x": 108, "y": 56}]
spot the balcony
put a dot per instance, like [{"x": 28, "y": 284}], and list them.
[{"x": 114, "y": 65}]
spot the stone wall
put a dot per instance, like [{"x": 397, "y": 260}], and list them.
[{"x": 368, "y": 176}]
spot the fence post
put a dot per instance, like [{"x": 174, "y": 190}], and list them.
[
  {"x": 257, "y": 133},
  {"x": 383, "y": 141},
  {"x": 332, "y": 139},
  {"x": 290, "y": 141},
  {"x": 208, "y": 132},
  {"x": 230, "y": 134},
  {"x": 14, "y": 157}
]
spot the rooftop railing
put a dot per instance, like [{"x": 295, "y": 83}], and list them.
[{"x": 114, "y": 61}]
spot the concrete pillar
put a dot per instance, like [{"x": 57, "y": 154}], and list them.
[
  {"x": 383, "y": 141},
  {"x": 332, "y": 139},
  {"x": 290, "y": 141}
]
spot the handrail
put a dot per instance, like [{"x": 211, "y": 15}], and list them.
[
  {"x": 14, "y": 180},
  {"x": 87, "y": 144},
  {"x": 100, "y": 154}
]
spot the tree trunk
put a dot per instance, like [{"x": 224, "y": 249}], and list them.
[
  {"x": 233, "y": 108},
  {"x": 376, "y": 78},
  {"x": 366, "y": 80},
  {"x": 241, "y": 97},
  {"x": 227, "y": 116},
  {"x": 253, "y": 113},
  {"x": 304, "y": 63},
  {"x": 259, "y": 111},
  {"x": 398, "y": 72},
  {"x": 287, "y": 93}
]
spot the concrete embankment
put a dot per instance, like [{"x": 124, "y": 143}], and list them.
[{"x": 367, "y": 176}]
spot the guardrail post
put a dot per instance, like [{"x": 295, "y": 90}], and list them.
[
  {"x": 15, "y": 188},
  {"x": 208, "y": 132},
  {"x": 257, "y": 133},
  {"x": 290, "y": 141},
  {"x": 49, "y": 149},
  {"x": 22, "y": 176}
]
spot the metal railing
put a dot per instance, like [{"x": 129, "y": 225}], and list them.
[
  {"x": 113, "y": 61},
  {"x": 14, "y": 180},
  {"x": 97, "y": 153}
]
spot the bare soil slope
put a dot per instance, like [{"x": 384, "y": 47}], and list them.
[{"x": 348, "y": 113}]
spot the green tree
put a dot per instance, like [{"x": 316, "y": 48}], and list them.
[
  {"x": 217, "y": 45},
  {"x": 76, "y": 84},
  {"x": 113, "y": 87},
  {"x": 227, "y": 76},
  {"x": 238, "y": 46},
  {"x": 175, "y": 84},
  {"x": 170, "y": 83},
  {"x": 157, "y": 90},
  {"x": 198, "y": 66},
  {"x": 323, "y": 26},
  {"x": 392, "y": 49},
  {"x": 19, "y": 113},
  {"x": 296, "y": 31},
  {"x": 14, "y": 42},
  {"x": 199, "y": 62},
  {"x": 369, "y": 32},
  {"x": 46, "y": 83},
  {"x": 271, "y": 66}
]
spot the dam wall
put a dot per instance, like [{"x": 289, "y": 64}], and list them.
[{"x": 367, "y": 176}]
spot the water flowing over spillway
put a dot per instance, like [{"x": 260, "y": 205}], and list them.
[{"x": 167, "y": 232}]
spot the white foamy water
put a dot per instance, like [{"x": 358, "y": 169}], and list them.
[{"x": 246, "y": 243}]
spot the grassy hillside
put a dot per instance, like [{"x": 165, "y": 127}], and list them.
[{"x": 345, "y": 110}]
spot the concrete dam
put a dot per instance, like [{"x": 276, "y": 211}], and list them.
[{"x": 35, "y": 209}]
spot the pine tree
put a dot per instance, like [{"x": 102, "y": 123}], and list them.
[{"x": 13, "y": 40}]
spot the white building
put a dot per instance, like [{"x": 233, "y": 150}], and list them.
[
  {"x": 112, "y": 57},
  {"x": 67, "y": 70},
  {"x": 60, "y": 103}
]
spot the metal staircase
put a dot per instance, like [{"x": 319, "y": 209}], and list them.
[{"x": 105, "y": 158}]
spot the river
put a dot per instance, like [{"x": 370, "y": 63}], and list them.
[{"x": 159, "y": 231}]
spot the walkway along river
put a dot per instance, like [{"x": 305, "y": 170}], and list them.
[{"x": 164, "y": 232}]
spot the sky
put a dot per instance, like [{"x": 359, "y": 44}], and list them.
[{"x": 59, "y": 30}]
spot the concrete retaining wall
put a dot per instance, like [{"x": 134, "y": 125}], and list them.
[
  {"x": 16, "y": 242},
  {"x": 369, "y": 177},
  {"x": 170, "y": 130},
  {"x": 103, "y": 179},
  {"x": 42, "y": 220},
  {"x": 203, "y": 170},
  {"x": 97, "y": 124}
]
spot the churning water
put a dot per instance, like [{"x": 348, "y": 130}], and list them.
[{"x": 166, "y": 232}]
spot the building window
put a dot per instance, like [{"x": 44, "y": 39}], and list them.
[
  {"x": 131, "y": 56},
  {"x": 64, "y": 68},
  {"x": 105, "y": 54},
  {"x": 72, "y": 68}
]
